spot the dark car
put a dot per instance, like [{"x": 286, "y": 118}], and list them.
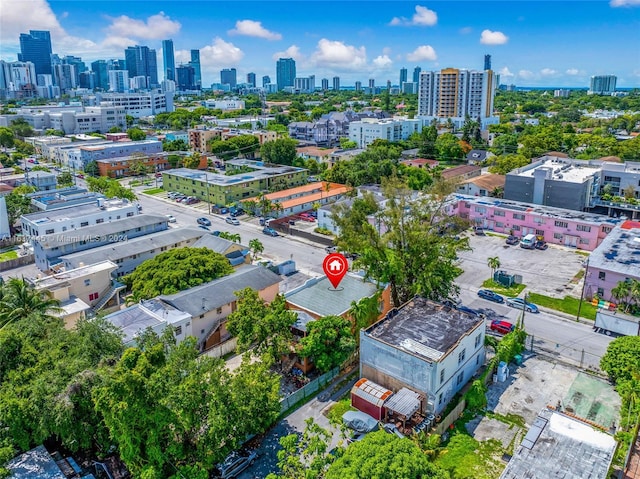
[
  {"x": 541, "y": 245},
  {"x": 490, "y": 295},
  {"x": 204, "y": 227},
  {"x": 269, "y": 231},
  {"x": 234, "y": 464},
  {"x": 204, "y": 221},
  {"x": 502, "y": 327},
  {"x": 512, "y": 240}
]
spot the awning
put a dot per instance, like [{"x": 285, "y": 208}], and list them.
[{"x": 405, "y": 402}]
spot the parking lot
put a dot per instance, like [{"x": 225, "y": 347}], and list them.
[{"x": 546, "y": 272}]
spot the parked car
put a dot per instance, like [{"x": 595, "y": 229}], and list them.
[
  {"x": 171, "y": 218},
  {"x": 236, "y": 212},
  {"x": 541, "y": 245},
  {"x": 472, "y": 312},
  {"x": 520, "y": 304},
  {"x": 204, "y": 221},
  {"x": 232, "y": 221},
  {"x": 478, "y": 230},
  {"x": 269, "y": 231},
  {"x": 306, "y": 217},
  {"x": 234, "y": 464},
  {"x": 490, "y": 295},
  {"x": 331, "y": 249},
  {"x": 502, "y": 327},
  {"x": 512, "y": 240}
]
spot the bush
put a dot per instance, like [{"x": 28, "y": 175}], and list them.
[{"x": 323, "y": 231}]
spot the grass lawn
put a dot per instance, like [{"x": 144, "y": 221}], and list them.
[
  {"x": 7, "y": 255},
  {"x": 567, "y": 305},
  {"x": 153, "y": 191},
  {"x": 511, "y": 292},
  {"x": 335, "y": 412}
]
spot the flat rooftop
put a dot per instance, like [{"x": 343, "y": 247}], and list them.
[
  {"x": 541, "y": 210},
  {"x": 318, "y": 296},
  {"x": 224, "y": 180},
  {"x": 558, "y": 445},
  {"x": 424, "y": 328},
  {"x": 566, "y": 170},
  {"x": 619, "y": 251},
  {"x": 62, "y": 277},
  {"x": 78, "y": 211},
  {"x": 118, "y": 144},
  {"x": 132, "y": 320}
]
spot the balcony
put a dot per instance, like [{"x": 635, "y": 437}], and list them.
[{"x": 613, "y": 204}]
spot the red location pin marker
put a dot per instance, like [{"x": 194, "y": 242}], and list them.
[{"x": 335, "y": 266}]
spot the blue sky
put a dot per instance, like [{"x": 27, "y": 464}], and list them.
[{"x": 532, "y": 43}]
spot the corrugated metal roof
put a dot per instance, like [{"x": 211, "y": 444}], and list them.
[
  {"x": 371, "y": 392},
  {"x": 405, "y": 402}
]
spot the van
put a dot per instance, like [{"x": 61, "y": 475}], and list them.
[{"x": 528, "y": 242}]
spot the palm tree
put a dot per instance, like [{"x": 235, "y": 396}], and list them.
[
  {"x": 635, "y": 292},
  {"x": 20, "y": 300},
  {"x": 493, "y": 263},
  {"x": 235, "y": 237},
  {"x": 256, "y": 247},
  {"x": 621, "y": 292}
]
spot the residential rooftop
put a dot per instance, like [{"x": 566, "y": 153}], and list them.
[
  {"x": 318, "y": 296},
  {"x": 64, "y": 214},
  {"x": 619, "y": 251},
  {"x": 489, "y": 182},
  {"x": 114, "y": 145},
  {"x": 49, "y": 282},
  {"x": 558, "y": 445},
  {"x": 151, "y": 313},
  {"x": 572, "y": 171},
  {"x": 456, "y": 171},
  {"x": 224, "y": 180},
  {"x": 424, "y": 328},
  {"x": 36, "y": 463}
]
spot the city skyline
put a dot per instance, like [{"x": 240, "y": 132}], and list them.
[{"x": 562, "y": 45}]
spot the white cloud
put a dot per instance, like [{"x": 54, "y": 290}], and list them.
[
  {"x": 423, "y": 52},
  {"x": 526, "y": 74},
  {"x": 547, "y": 72},
  {"x": 572, "y": 71},
  {"x": 422, "y": 18},
  {"x": 252, "y": 28},
  {"x": 292, "y": 52},
  {"x": 155, "y": 27},
  {"x": 487, "y": 37},
  {"x": 382, "y": 62},
  {"x": 220, "y": 53},
  {"x": 20, "y": 17},
  {"x": 336, "y": 54},
  {"x": 505, "y": 72},
  {"x": 624, "y": 3}
]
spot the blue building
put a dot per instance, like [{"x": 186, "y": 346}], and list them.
[
  {"x": 99, "y": 68},
  {"x": 186, "y": 78},
  {"x": 228, "y": 76},
  {"x": 141, "y": 62},
  {"x": 195, "y": 63},
  {"x": 285, "y": 72},
  {"x": 168, "y": 60},
  {"x": 35, "y": 47}
]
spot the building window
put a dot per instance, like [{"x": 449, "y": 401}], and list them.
[
  {"x": 442, "y": 373},
  {"x": 477, "y": 341},
  {"x": 602, "y": 275},
  {"x": 48, "y": 232},
  {"x": 584, "y": 228},
  {"x": 480, "y": 209},
  {"x": 93, "y": 296},
  {"x": 87, "y": 282},
  {"x": 499, "y": 224},
  {"x": 178, "y": 330},
  {"x": 561, "y": 224},
  {"x": 130, "y": 213},
  {"x": 601, "y": 292},
  {"x": 462, "y": 355},
  {"x": 518, "y": 216},
  {"x": 84, "y": 223},
  {"x": 460, "y": 379},
  {"x": 606, "y": 229},
  {"x": 219, "y": 310},
  {"x": 100, "y": 220},
  {"x": 440, "y": 398},
  {"x": 557, "y": 236},
  {"x": 584, "y": 241},
  {"x": 516, "y": 228},
  {"x": 540, "y": 232},
  {"x": 202, "y": 331},
  {"x": 498, "y": 213}
]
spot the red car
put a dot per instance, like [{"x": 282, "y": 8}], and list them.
[
  {"x": 502, "y": 327},
  {"x": 306, "y": 217}
]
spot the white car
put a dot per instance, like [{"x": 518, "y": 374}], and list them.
[
  {"x": 232, "y": 221},
  {"x": 171, "y": 218}
]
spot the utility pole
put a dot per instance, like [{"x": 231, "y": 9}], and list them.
[{"x": 584, "y": 283}]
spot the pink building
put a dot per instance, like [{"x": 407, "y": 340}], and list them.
[
  {"x": 616, "y": 259},
  {"x": 554, "y": 225}
]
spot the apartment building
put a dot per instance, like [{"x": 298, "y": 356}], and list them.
[
  {"x": 366, "y": 131},
  {"x": 200, "y": 137},
  {"x": 63, "y": 198},
  {"x": 137, "y": 105},
  {"x": 121, "y": 166},
  {"x": 117, "y": 150}
]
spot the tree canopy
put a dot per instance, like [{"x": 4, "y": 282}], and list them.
[
  {"x": 622, "y": 358},
  {"x": 329, "y": 342},
  {"x": 109, "y": 187},
  {"x": 176, "y": 270},
  {"x": 281, "y": 151}
]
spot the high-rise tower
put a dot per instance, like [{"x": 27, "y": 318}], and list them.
[
  {"x": 168, "y": 60},
  {"x": 285, "y": 72},
  {"x": 35, "y": 47}
]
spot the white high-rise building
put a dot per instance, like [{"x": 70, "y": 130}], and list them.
[
  {"x": 455, "y": 94},
  {"x": 118, "y": 81},
  {"x": 603, "y": 85}
]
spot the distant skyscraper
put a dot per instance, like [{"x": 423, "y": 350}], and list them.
[
  {"x": 251, "y": 79},
  {"x": 487, "y": 62},
  {"x": 35, "y": 47},
  {"x": 603, "y": 85},
  {"x": 266, "y": 80},
  {"x": 99, "y": 67},
  {"x": 403, "y": 76},
  {"x": 228, "y": 76},
  {"x": 416, "y": 74},
  {"x": 336, "y": 83},
  {"x": 358, "y": 86},
  {"x": 195, "y": 63},
  {"x": 285, "y": 72},
  {"x": 118, "y": 81},
  {"x": 168, "y": 60},
  {"x": 186, "y": 77},
  {"x": 142, "y": 62},
  {"x": 324, "y": 84},
  {"x": 87, "y": 80},
  {"x": 79, "y": 65},
  {"x": 372, "y": 84}
]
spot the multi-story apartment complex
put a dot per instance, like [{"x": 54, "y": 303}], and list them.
[
  {"x": 285, "y": 73},
  {"x": 199, "y": 137},
  {"x": 457, "y": 94},
  {"x": 223, "y": 190},
  {"x": 137, "y": 104},
  {"x": 121, "y": 166},
  {"x": 603, "y": 85},
  {"x": 118, "y": 81},
  {"x": 17, "y": 79},
  {"x": 366, "y": 131},
  {"x": 116, "y": 150}
]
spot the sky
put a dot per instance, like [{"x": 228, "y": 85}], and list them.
[{"x": 532, "y": 43}]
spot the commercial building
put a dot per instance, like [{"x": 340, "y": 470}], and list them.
[
  {"x": 426, "y": 347},
  {"x": 200, "y": 137},
  {"x": 100, "y": 69},
  {"x": 195, "y": 63},
  {"x": 168, "y": 60},
  {"x": 17, "y": 79},
  {"x": 35, "y": 47},
  {"x": 223, "y": 190},
  {"x": 602, "y": 85},
  {"x": 251, "y": 79},
  {"x": 285, "y": 72},
  {"x": 185, "y": 78},
  {"x": 137, "y": 104},
  {"x": 615, "y": 260},
  {"x": 555, "y": 181},
  {"x": 118, "y": 81},
  {"x": 229, "y": 76},
  {"x": 142, "y": 62},
  {"x": 121, "y": 166},
  {"x": 457, "y": 95},
  {"x": 63, "y": 198},
  {"x": 117, "y": 150},
  {"x": 42, "y": 180},
  {"x": 225, "y": 105},
  {"x": 366, "y": 131}
]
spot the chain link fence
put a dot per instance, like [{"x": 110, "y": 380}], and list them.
[{"x": 569, "y": 354}]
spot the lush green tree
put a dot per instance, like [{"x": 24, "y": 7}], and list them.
[
  {"x": 347, "y": 144},
  {"x": 427, "y": 143},
  {"x": 92, "y": 169},
  {"x": 384, "y": 456},
  {"x": 505, "y": 144},
  {"x": 176, "y": 270},
  {"x": 234, "y": 237},
  {"x": 256, "y": 247},
  {"x": 410, "y": 243},
  {"x": 449, "y": 147},
  {"x": 23, "y": 147},
  {"x": 6, "y": 137},
  {"x": 281, "y": 151},
  {"x": 494, "y": 263},
  {"x": 139, "y": 168},
  {"x": 503, "y": 164},
  {"x": 265, "y": 327},
  {"x": 19, "y": 300},
  {"x": 136, "y": 134},
  {"x": 115, "y": 129},
  {"x": 109, "y": 187},
  {"x": 65, "y": 179},
  {"x": 622, "y": 358},
  {"x": 17, "y": 205},
  {"x": 52, "y": 132},
  {"x": 21, "y": 128},
  {"x": 364, "y": 313},
  {"x": 192, "y": 161},
  {"x": 329, "y": 342},
  {"x": 175, "y": 145}
]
